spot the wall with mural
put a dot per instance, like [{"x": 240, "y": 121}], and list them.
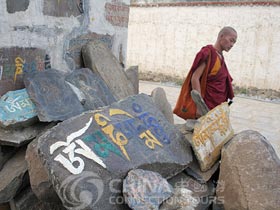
[
  {"x": 39, "y": 34},
  {"x": 165, "y": 37}
]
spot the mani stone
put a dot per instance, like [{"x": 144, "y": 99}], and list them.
[
  {"x": 20, "y": 136},
  {"x": 144, "y": 190},
  {"x": 159, "y": 97},
  {"x": 16, "y": 109},
  {"x": 39, "y": 179},
  {"x": 53, "y": 97},
  {"x": 97, "y": 93},
  {"x": 101, "y": 60},
  {"x": 26, "y": 200},
  {"x": 88, "y": 156},
  {"x": 6, "y": 85},
  {"x": 13, "y": 176},
  {"x": 249, "y": 173},
  {"x": 210, "y": 133},
  {"x": 132, "y": 74}
]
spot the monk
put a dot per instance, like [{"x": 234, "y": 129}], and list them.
[{"x": 208, "y": 80}]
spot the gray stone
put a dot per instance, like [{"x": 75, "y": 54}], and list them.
[
  {"x": 101, "y": 60},
  {"x": 26, "y": 200},
  {"x": 39, "y": 179},
  {"x": 190, "y": 123},
  {"x": 182, "y": 199},
  {"x": 13, "y": 176},
  {"x": 62, "y": 8},
  {"x": 202, "y": 108},
  {"x": 19, "y": 136},
  {"x": 4, "y": 206},
  {"x": 5, "y": 153},
  {"x": 249, "y": 173},
  {"x": 53, "y": 97},
  {"x": 89, "y": 155},
  {"x": 200, "y": 195},
  {"x": 16, "y": 109},
  {"x": 97, "y": 93},
  {"x": 74, "y": 54},
  {"x": 133, "y": 75},
  {"x": 16, "y": 6},
  {"x": 202, "y": 176},
  {"x": 145, "y": 190},
  {"x": 159, "y": 97}
]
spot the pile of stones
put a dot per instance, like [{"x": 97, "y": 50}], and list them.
[{"x": 88, "y": 140}]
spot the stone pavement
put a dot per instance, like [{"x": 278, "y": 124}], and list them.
[{"x": 246, "y": 113}]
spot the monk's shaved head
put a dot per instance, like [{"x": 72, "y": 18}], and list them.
[{"x": 226, "y": 30}]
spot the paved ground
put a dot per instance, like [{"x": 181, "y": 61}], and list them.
[{"x": 246, "y": 114}]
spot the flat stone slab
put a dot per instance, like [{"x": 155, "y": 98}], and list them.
[
  {"x": 16, "y": 109},
  {"x": 6, "y": 153},
  {"x": 249, "y": 173},
  {"x": 20, "y": 136},
  {"x": 13, "y": 176},
  {"x": 201, "y": 176},
  {"x": 53, "y": 97},
  {"x": 211, "y": 132},
  {"x": 38, "y": 176},
  {"x": 97, "y": 93},
  {"x": 101, "y": 60},
  {"x": 26, "y": 200},
  {"x": 159, "y": 97},
  {"x": 105, "y": 144}
]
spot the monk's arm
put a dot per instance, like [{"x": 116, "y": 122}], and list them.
[{"x": 195, "y": 80}]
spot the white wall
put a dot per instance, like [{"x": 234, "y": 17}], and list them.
[{"x": 166, "y": 39}]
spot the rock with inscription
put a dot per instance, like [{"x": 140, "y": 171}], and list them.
[
  {"x": 250, "y": 173},
  {"x": 27, "y": 200},
  {"x": 210, "y": 133},
  {"x": 53, "y": 97},
  {"x": 87, "y": 156},
  {"x": 101, "y": 60},
  {"x": 159, "y": 97},
  {"x": 145, "y": 189},
  {"x": 13, "y": 176},
  {"x": 132, "y": 74},
  {"x": 97, "y": 93},
  {"x": 19, "y": 136},
  {"x": 39, "y": 179},
  {"x": 16, "y": 109},
  {"x": 6, "y": 85},
  {"x": 6, "y": 152},
  {"x": 81, "y": 96}
]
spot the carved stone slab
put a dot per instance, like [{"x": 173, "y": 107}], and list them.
[
  {"x": 92, "y": 153},
  {"x": 54, "y": 99},
  {"x": 211, "y": 132},
  {"x": 101, "y": 60},
  {"x": 97, "y": 93},
  {"x": 16, "y": 109}
]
